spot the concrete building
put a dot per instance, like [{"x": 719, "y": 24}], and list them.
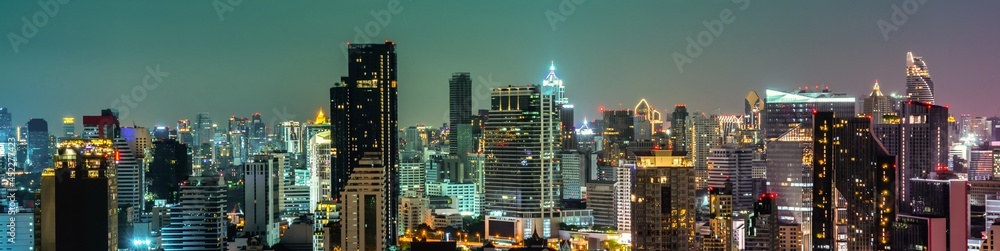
[
  {"x": 663, "y": 210},
  {"x": 364, "y": 223}
]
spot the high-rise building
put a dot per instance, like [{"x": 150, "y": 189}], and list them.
[
  {"x": 69, "y": 127},
  {"x": 571, "y": 166},
  {"x": 319, "y": 169},
  {"x": 257, "y": 135},
  {"x": 939, "y": 219},
  {"x": 79, "y": 204},
  {"x": 923, "y": 145},
  {"x": 731, "y": 165},
  {"x": 6, "y": 126},
  {"x": 291, "y": 137},
  {"x": 601, "y": 200},
  {"x": 720, "y": 221},
  {"x": 679, "y": 132},
  {"x": 663, "y": 211},
  {"x": 790, "y": 174},
  {"x": 784, "y": 110},
  {"x": 39, "y": 154},
  {"x": 364, "y": 222},
  {"x": 762, "y": 224},
  {"x": 624, "y": 184},
  {"x": 263, "y": 190},
  {"x": 364, "y": 116},
  {"x": 131, "y": 144},
  {"x": 463, "y": 193},
  {"x": 198, "y": 221},
  {"x": 753, "y": 106},
  {"x": 168, "y": 166},
  {"x": 853, "y": 185},
  {"x": 460, "y": 108},
  {"x": 185, "y": 134},
  {"x": 704, "y": 135},
  {"x": 651, "y": 115},
  {"x": 919, "y": 86},
  {"x": 203, "y": 129},
  {"x": 522, "y": 180},
  {"x": 619, "y": 130},
  {"x": 877, "y": 106}
]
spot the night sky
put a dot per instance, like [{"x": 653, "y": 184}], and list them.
[{"x": 281, "y": 57}]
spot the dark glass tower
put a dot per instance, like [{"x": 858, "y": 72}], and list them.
[
  {"x": 78, "y": 198},
  {"x": 460, "y": 104},
  {"x": 39, "y": 155},
  {"x": 923, "y": 145},
  {"x": 853, "y": 185},
  {"x": 679, "y": 135},
  {"x": 363, "y": 119},
  {"x": 6, "y": 128},
  {"x": 169, "y": 166}
]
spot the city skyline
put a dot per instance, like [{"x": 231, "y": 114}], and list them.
[{"x": 297, "y": 55}]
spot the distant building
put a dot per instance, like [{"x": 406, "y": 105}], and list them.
[
  {"x": 919, "y": 86},
  {"x": 38, "y": 145},
  {"x": 198, "y": 222},
  {"x": 663, "y": 212},
  {"x": 877, "y": 105},
  {"x": 784, "y": 110},
  {"x": 732, "y": 165}
]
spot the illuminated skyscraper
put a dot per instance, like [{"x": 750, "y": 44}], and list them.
[
  {"x": 784, "y": 110},
  {"x": 69, "y": 127},
  {"x": 720, "y": 203},
  {"x": 363, "y": 115},
  {"x": 262, "y": 196},
  {"x": 198, "y": 222},
  {"x": 38, "y": 145},
  {"x": 923, "y": 145},
  {"x": 168, "y": 166},
  {"x": 257, "y": 135},
  {"x": 919, "y": 86},
  {"x": 663, "y": 211},
  {"x": 203, "y": 129},
  {"x": 790, "y": 174},
  {"x": 854, "y": 201},
  {"x": 460, "y": 104},
  {"x": 731, "y": 166},
  {"x": 364, "y": 221},
  {"x": 679, "y": 131},
  {"x": 6, "y": 128},
  {"x": 753, "y": 106},
  {"x": 762, "y": 224},
  {"x": 522, "y": 167},
  {"x": 79, "y": 206},
  {"x": 319, "y": 169},
  {"x": 877, "y": 105},
  {"x": 619, "y": 130}
]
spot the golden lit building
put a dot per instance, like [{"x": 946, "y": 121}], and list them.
[{"x": 663, "y": 203}]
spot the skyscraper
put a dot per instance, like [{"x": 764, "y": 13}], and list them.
[
  {"x": 460, "y": 110},
  {"x": 762, "y": 224},
  {"x": 69, "y": 127},
  {"x": 363, "y": 111},
  {"x": 919, "y": 86},
  {"x": 319, "y": 169},
  {"x": 6, "y": 128},
  {"x": 263, "y": 190},
  {"x": 731, "y": 166},
  {"x": 784, "y": 110},
  {"x": 704, "y": 134},
  {"x": 720, "y": 203},
  {"x": 38, "y": 145},
  {"x": 663, "y": 211},
  {"x": 198, "y": 221},
  {"x": 364, "y": 222},
  {"x": 679, "y": 131},
  {"x": 753, "y": 106},
  {"x": 203, "y": 129},
  {"x": 169, "y": 166},
  {"x": 923, "y": 145},
  {"x": 79, "y": 206},
  {"x": 521, "y": 173},
  {"x": 619, "y": 130},
  {"x": 790, "y": 174},
  {"x": 939, "y": 219},
  {"x": 257, "y": 134},
  {"x": 877, "y": 105},
  {"x": 853, "y": 185}
]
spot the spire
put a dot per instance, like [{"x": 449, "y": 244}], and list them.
[
  {"x": 552, "y": 72},
  {"x": 876, "y": 92},
  {"x": 320, "y": 118}
]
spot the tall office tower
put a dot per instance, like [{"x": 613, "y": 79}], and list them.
[
  {"x": 877, "y": 106},
  {"x": 412, "y": 178},
  {"x": 569, "y": 138},
  {"x": 38, "y": 145},
  {"x": 790, "y": 236},
  {"x": 732, "y": 164},
  {"x": 940, "y": 216},
  {"x": 198, "y": 221},
  {"x": 762, "y": 224},
  {"x": 852, "y": 172},
  {"x": 679, "y": 130},
  {"x": 460, "y": 108},
  {"x": 704, "y": 135},
  {"x": 319, "y": 169},
  {"x": 257, "y": 134},
  {"x": 161, "y": 132},
  {"x": 784, "y": 110},
  {"x": 619, "y": 130},
  {"x": 571, "y": 166},
  {"x": 310, "y": 130},
  {"x": 413, "y": 139},
  {"x": 720, "y": 221},
  {"x": 624, "y": 184},
  {"x": 291, "y": 136},
  {"x": 79, "y": 206},
  {"x": 263, "y": 190},
  {"x": 185, "y": 134},
  {"x": 924, "y": 145},
  {"x": 203, "y": 129},
  {"x": 364, "y": 119},
  {"x": 753, "y": 106},
  {"x": 919, "y": 86},
  {"x": 168, "y": 166},
  {"x": 69, "y": 127},
  {"x": 364, "y": 223},
  {"x": 522, "y": 167},
  {"x": 131, "y": 143},
  {"x": 663, "y": 211},
  {"x": 790, "y": 174}
]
